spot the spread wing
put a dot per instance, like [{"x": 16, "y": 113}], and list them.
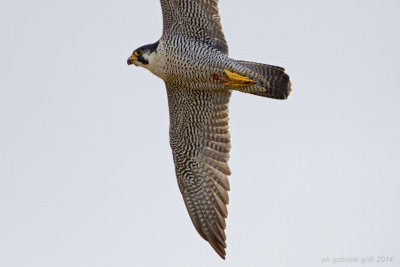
[
  {"x": 194, "y": 18},
  {"x": 200, "y": 143}
]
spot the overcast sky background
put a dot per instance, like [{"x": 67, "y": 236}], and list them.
[{"x": 86, "y": 171}]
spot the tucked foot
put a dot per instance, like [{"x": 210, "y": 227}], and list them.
[{"x": 237, "y": 80}]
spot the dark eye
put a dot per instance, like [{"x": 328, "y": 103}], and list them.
[{"x": 138, "y": 52}]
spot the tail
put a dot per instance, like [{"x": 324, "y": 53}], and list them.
[{"x": 270, "y": 81}]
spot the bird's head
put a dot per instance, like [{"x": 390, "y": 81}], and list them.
[{"x": 144, "y": 55}]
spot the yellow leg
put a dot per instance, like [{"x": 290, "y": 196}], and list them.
[{"x": 237, "y": 80}]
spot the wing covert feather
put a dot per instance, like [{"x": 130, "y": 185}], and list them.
[{"x": 194, "y": 18}]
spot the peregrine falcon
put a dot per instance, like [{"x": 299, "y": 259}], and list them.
[{"x": 192, "y": 58}]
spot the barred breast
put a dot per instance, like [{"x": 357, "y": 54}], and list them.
[{"x": 190, "y": 62}]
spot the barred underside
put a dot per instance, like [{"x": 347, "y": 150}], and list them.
[
  {"x": 197, "y": 19},
  {"x": 200, "y": 143}
]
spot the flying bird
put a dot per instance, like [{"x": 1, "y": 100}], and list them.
[{"x": 192, "y": 58}]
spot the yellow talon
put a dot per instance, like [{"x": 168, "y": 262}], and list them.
[{"x": 237, "y": 80}]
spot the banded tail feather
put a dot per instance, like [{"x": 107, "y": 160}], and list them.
[{"x": 271, "y": 81}]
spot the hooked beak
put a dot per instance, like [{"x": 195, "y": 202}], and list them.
[{"x": 131, "y": 60}]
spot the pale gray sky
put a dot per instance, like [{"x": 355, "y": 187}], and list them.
[{"x": 86, "y": 172}]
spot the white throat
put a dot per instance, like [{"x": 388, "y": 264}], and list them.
[{"x": 156, "y": 64}]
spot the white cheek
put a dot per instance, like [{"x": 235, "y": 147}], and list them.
[
  {"x": 151, "y": 58},
  {"x": 156, "y": 64}
]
